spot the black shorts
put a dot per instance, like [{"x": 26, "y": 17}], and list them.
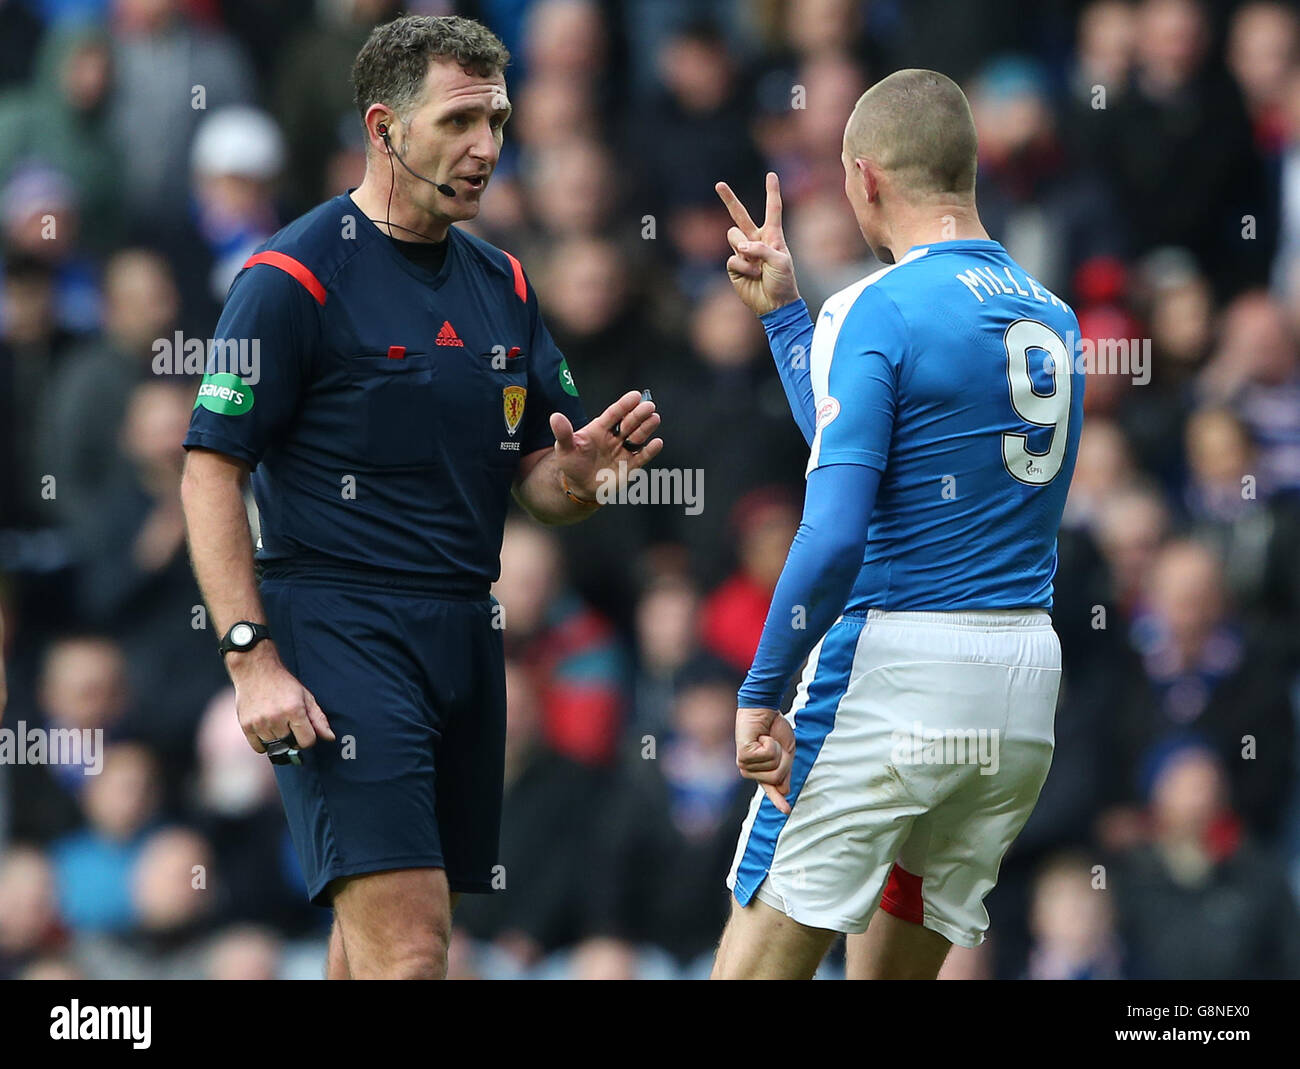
[{"x": 414, "y": 689}]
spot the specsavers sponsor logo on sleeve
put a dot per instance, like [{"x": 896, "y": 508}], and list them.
[
  {"x": 225, "y": 394},
  {"x": 566, "y": 379}
]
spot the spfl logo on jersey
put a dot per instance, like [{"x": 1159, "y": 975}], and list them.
[
  {"x": 512, "y": 404},
  {"x": 827, "y": 411}
]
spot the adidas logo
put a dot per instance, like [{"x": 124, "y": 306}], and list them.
[{"x": 447, "y": 335}]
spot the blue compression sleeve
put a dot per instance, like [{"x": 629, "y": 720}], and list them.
[
  {"x": 789, "y": 333},
  {"x": 818, "y": 577}
]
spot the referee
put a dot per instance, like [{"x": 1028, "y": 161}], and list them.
[{"x": 405, "y": 385}]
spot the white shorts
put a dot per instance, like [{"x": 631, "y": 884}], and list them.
[{"x": 922, "y": 740}]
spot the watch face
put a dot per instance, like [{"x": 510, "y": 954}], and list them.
[{"x": 241, "y": 635}]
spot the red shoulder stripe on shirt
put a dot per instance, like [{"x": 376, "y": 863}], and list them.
[
  {"x": 290, "y": 266},
  {"x": 521, "y": 287}
]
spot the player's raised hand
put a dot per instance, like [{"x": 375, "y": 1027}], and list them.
[
  {"x": 600, "y": 445},
  {"x": 765, "y": 752},
  {"x": 760, "y": 267}
]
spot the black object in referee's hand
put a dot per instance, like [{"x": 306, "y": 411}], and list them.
[
  {"x": 284, "y": 751},
  {"x": 630, "y": 446}
]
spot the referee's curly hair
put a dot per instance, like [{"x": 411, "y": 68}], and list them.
[{"x": 393, "y": 63}]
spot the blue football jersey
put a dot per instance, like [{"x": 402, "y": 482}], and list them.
[{"x": 953, "y": 373}]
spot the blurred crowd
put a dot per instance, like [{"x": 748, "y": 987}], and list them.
[{"x": 1142, "y": 159}]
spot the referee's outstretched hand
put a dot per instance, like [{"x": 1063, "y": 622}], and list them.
[
  {"x": 583, "y": 454},
  {"x": 760, "y": 267},
  {"x": 765, "y": 752},
  {"x": 272, "y": 704}
]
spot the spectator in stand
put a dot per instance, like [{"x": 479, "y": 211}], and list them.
[
  {"x": 671, "y": 835},
  {"x": 1073, "y": 923},
  {"x": 573, "y": 653},
  {"x": 41, "y": 220},
  {"x": 1130, "y": 527},
  {"x": 610, "y": 340},
  {"x": 1201, "y": 874},
  {"x": 731, "y": 621},
  {"x": 70, "y": 94},
  {"x": 94, "y": 865},
  {"x": 244, "y": 952},
  {"x": 549, "y": 868},
  {"x": 32, "y": 348},
  {"x": 1179, "y": 153},
  {"x": 667, "y": 636},
  {"x": 702, "y": 113},
  {"x": 1263, "y": 42},
  {"x": 175, "y": 897},
  {"x": 565, "y": 40},
  {"x": 235, "y": 163},
  {"x": 1285, "y": 278},
  {"x": 831, "y": 252},
  {"x": 168, "y": 74},
  {"x": 1104, "y": 56},
  {"x": 237, "y": 809},
  {"x": 313, "y": 99},
  {"x": 1256, "y": 370},
  {"x": 135, "y": 576},
  {"x": 735, "y": 427},
  {"x": 1109, "y": 346},
  {"x": 88, "y": 399},
  {"x": 1199, "y": 674},
  {"x": 1256, "y": 539},
  {"x": 82, "y": 688},
  {"x": 52, "y": 968},
  {"x": 1179, "y": 306},
  {"x": 1046, "y": 209},
  {"x": 573, "y": 190},
  {"x": 1104, "y": 467},
  {"x": 30, "y": 925},
  {"x": 830, "y": 87}
]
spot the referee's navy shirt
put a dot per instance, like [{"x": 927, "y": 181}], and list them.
[{"x": 390, "y": 406}]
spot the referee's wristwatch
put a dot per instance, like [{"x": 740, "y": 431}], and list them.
[{"x": 242, "y": 637}]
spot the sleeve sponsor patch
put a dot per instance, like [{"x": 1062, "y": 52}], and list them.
[
  {"x": 566, "y": 379},
  {"x": 224, "y": 394}
]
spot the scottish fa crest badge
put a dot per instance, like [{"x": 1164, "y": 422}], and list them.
[{"x": 512, "y": 403}]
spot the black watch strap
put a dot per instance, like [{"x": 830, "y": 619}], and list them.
[{"x": 243, "y": 635}]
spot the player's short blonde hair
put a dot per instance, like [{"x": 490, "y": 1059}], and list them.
[{"x": 917, "y": 125}]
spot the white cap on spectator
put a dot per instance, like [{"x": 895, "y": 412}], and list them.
[{"x": 238, "y": 141}]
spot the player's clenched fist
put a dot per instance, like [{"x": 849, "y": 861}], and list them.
[
  {"x": 765, "y": 752},
  {"x": 760, "y": 267}
]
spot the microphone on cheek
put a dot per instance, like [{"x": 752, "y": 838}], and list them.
[{"x": 441, "y": 187}]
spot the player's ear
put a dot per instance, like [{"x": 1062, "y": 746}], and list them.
[{"x": 870, "y": 182}]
